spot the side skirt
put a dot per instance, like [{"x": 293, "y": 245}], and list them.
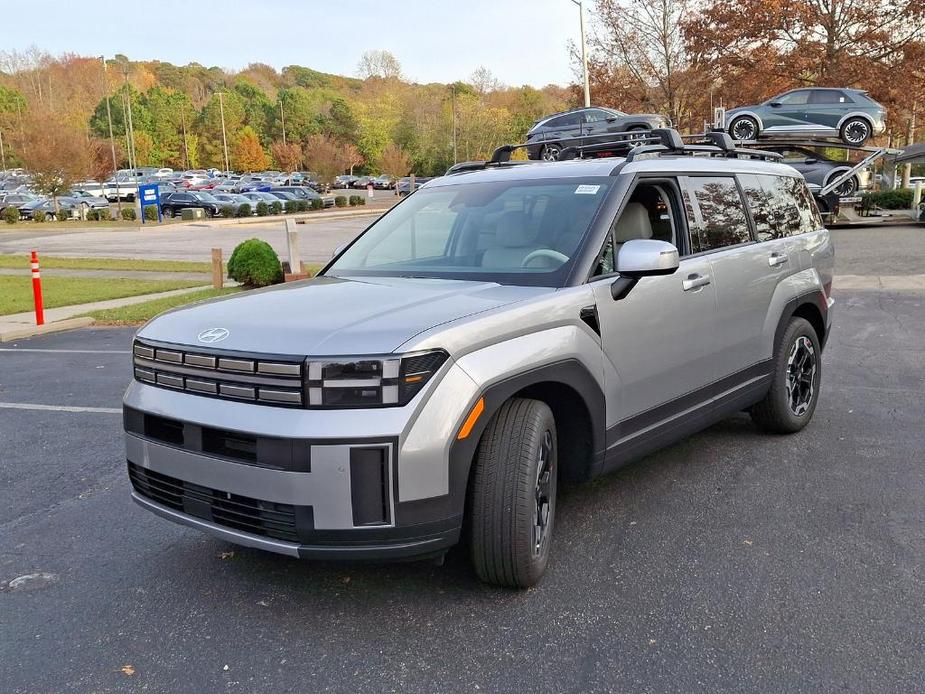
[{"x": 649, "y": 431}]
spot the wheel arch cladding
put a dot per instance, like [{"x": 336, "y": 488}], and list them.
[
  {"x": 577, "y": 404},
  {"x": 809, "y": 308}
]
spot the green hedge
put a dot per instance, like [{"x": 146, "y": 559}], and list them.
[
  {"x": 276, "y": 207},
  {"x": 899, "y": 199},
  {"x": 128, "y": 214},
  {"x": 262, "y": 209},
  {"x": 254, "y": 263},
  {"x": 39, "y": 216},
  {"x": 340, "y": 201},
  {"x": 11, "y": 215},
  {"x": 150, "y": 213}
]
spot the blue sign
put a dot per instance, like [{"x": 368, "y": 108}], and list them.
[{"x": 149, "y": 194}]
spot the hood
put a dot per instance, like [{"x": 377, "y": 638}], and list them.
[{"x": 330, "y": 316}]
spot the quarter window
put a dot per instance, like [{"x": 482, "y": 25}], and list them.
[
  {"x": 719, "y": 218},
  {"x": 829, "y": 96},
  {"x": 781, "y": 206}
]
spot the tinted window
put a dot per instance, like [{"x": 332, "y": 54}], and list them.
[
  {"x": 829, "y": 96},
  {"x": 596, "y": 115},
  {"x": 567, "y": 121},
  {"x": 721, "y": 220},
  {"x": 793, "y": 98},
  {"x": 781, "y": 206}
]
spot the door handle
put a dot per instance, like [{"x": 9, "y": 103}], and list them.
[
  {"x": 776, "y": 259},
  {"x": 695, "y": 281}
]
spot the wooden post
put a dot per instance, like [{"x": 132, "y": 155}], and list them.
[
  {"x": 218, "y": 275},
  {"x": 292, "y": 240}
]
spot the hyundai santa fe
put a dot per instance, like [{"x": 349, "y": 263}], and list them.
[{"x": 498, "y": 333}]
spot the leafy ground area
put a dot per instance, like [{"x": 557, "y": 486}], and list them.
[
  {"x": 129, "y": 264},
  {"x": 16, "y": 292},
  {"x": 143, "y": 312}
]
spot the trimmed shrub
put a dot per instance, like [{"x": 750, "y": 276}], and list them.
[
  {"x": 151, "y": 213},
  {"x": 128, "y": 214},
  {"x": 93, "y": 215},
  {"x": 11, "y": 215},
  {"x": 354, "y": 200},
  {"x": 291, "y": 206},
  {"x": 104, "y": 215},
  {"x": 899, "y": 199},
  {"x": 317, "y": 204},
  {"x": 362, "y": 200},
  {"x": 38, "y": 216},
  {"x": 340, "y": 201},
  {"x": 245, "y": 210},
  {"x": 302, "y": 205},
  {"x": 276, "y": 207},
  {"x": 226, "y": 211},
  {"x": 262, "y": 209},
  {"x": 63, "y": 215},
  {"x": 254, "y": 263}
]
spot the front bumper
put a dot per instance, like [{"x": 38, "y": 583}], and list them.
[{"x": 360, "y": 484}]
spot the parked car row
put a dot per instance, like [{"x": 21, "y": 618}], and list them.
[
  {"x": 212, "y": 203},
  {"x": 75, "y": 203},
  {"x": 383, "y": 182}
]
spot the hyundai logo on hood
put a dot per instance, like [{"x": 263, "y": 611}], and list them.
[{"x": 213, "y": 335}]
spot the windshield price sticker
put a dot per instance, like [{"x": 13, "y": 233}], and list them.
[{"x": 587, "y": 190}]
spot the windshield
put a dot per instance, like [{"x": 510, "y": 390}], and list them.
[
  {"x": 204, "y": 197},
  {"x": 510, "y": 232}
]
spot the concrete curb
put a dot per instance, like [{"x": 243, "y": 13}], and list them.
[
  {"x": 31, "y": 330},
  {"x": 299, "y": 219}
]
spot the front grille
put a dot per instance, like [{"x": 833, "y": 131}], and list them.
[
  {"x": 220, "y": 375},
  {"x": 243, "y": 513}
]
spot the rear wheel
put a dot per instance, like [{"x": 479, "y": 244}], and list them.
[
  {"x": 551, "y": 152},
  {"x": 743, "y": 128},
  {"x": 855, "y": 131},
  {"x": 513, "y": 496},
  {"x": 791, "y": 401},
  {"x": 849, "y": 187}
]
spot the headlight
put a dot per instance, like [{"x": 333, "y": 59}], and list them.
[{"x": 375, "y": 382}]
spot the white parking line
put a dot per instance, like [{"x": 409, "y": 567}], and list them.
[
  {"x": 58, "y": 408},
  {"x": 69, "y": 351}
]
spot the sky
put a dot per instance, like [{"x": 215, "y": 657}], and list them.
[{"x": 520, "y": 41}]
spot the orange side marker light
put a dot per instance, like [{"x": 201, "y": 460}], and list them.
[{"x": 473, "y": 417}]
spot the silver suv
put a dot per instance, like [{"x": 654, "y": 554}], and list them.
[{"x": 501, "y": 331}]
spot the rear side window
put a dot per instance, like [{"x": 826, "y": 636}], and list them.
[
  {"x": 716, "y": 215},
  {"x": 568, "y": 121},
  {"x": 829, "y": 96},
  {"x": 781, "y": 206}
]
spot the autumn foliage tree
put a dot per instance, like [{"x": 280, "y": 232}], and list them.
[
  {"x": 395, "y": 161},
  {"x": 56, "y": 155},
  {"x": 247, "y": 154},
  {"x": 326, "y": 157},
  {"x": 288, "y": 156}
]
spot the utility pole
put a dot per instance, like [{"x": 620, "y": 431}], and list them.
[
  {"x": 221, "y": 109},
  {"x": 112, "y": 140},
  {"x": 584, "y": 51},
  {"x": 910, "y": 139},
  {"x": 185, "y": 143},
  {"x": 282, "y": 117},
  {"x": 130, "y": 130},
  {"x": 455, "y": 157},
  {"x": 2, "y": 153}
]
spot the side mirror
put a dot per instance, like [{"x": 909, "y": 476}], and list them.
[
  {"x": 811, "y": 160},
  {"x": 338, "y": 250},
  {"x": 642, "y": 258},
  {"x": 774, "y": 104}
]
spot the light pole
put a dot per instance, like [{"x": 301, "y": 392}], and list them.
[
  {"x": 584, "y": 51},
  {"x": 112, "y": 140},
  {"x": 282, "y": 117},
  {"x": 221, "y": 108}
]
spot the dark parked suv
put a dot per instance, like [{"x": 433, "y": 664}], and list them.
[
  {"x": 583, "y": 126},
  {"x": 172, "y": 203}
]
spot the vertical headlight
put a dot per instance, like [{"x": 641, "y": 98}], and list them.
[{"x": 370, "y": 382}]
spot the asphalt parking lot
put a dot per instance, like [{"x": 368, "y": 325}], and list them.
[{"x": 731, "y": 562}]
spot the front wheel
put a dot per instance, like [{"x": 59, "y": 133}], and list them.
[
  {"x": 513, "y": 495},
  {"x": 855, "y": 131},
  {"x": 848, "y": 188},
  {"x": 791, "y": 401}
]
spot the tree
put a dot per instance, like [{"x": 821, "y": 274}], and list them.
[
  {"x": 56, "y": 155},
  {"x": 247, "y": 154},
  {"x": 639, "y": 59},
  {"x": 395, "y": 161},
  {"x": 483, "y": 81},
  {"x": 287, "y": 156},
  {"x": 326, "y": 157},
  {"x": 100, "y": 160},
  {"x": 351, "y": 157},
  {"x": 378, "y": 63}
]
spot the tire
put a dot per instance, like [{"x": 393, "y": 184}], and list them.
[
  {"x": 791, "y": 401},
  {"x": 855, "y": 131},
  {"x": 551, "y": 152},
  {"x": 513, "y": 495},
  {"x": 744, "y": 128},
  {"x": 848, "y": 188}
]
